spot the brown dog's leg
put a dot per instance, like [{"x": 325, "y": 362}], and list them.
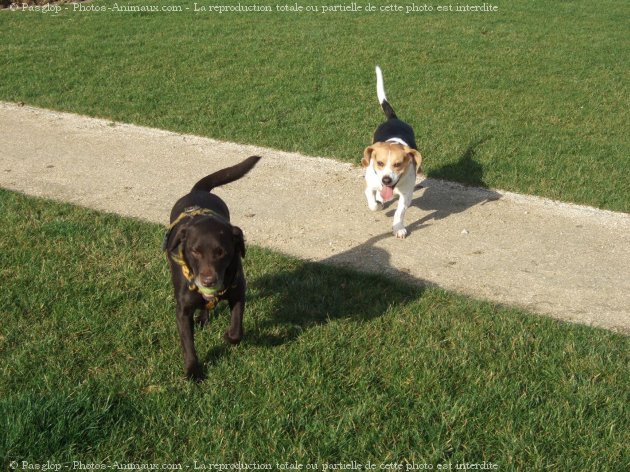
[
  {"x": 237, "y": 304},
  {"x": 186, "y": 334}
]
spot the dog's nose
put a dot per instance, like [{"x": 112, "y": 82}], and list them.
[
  {"x": 208, "y": 280},
  {"x": 387, "y": 180}
]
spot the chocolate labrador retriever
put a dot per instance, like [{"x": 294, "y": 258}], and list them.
[{"x": 204, "y": 252}]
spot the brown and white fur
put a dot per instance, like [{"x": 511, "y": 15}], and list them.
[{"x": 391, "y": 162}]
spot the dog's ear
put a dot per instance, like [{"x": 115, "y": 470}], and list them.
[
  {"x": 239, "y": 240},
  {"x": 417, "y": 158},
  {"x": 367, "y": 156},
  {"x": 175, "y": 238}
]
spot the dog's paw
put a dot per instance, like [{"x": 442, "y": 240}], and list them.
[
  {"x": 231, "y": 339},
  {"x": 194, "y": 372},
  {"x": 375, "y": 206},
  {"x": 400, "y": 231}
]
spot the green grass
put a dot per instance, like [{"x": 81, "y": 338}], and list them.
[
  {"x": 532, "y": 98},
  {"x": 335, "y": 365}
]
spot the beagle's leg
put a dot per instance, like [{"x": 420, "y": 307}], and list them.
[
  {"x": 398, "y": 227},
  {"x": 373, "y": 204}
]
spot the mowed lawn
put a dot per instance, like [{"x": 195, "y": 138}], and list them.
[
  {"x": 335, "y": 366},
  {"x": 532, "y": 98}
]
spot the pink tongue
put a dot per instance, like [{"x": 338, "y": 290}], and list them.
[{"x": 387, "y": 193}]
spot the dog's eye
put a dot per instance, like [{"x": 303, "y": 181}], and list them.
[
  {"x": 219, "y": 253},
  {"x": 196, "y": 253},
  {"x": 380, "y": 163},
  {"x": 397, "y": 165}
]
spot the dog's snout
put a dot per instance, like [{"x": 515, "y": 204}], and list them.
[
  {"x": 208, "y": 280},
  {"x": 387, "y": 180}
]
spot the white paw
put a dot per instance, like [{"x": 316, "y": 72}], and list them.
[
  {"x": 400, "y": 231},
  {"x": 375, "y": 206}
]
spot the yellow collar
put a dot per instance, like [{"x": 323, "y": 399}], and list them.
[
  {"x": 178, "y": 257},
  {"x": 189, "y": 213}
]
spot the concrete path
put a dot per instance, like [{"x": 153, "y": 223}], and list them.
[{"x": 566, "y": 261}]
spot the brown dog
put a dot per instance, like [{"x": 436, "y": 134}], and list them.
[{"x": 204, "y": 251}]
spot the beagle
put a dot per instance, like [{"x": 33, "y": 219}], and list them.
[{"x": 391, "y": 162}]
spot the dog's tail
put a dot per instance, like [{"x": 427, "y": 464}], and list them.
[
  {"x": 225, "y": 176},
  {"x": 380, "y": 93}
]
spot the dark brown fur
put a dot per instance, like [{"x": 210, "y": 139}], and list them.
[{"x": 212, "y": 249}]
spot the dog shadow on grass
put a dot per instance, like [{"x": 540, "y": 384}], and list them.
[
  {"x": 442, "y": 198},
  {"x": 302, "y": 295},
  {"x": 308, "y": 294}
]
